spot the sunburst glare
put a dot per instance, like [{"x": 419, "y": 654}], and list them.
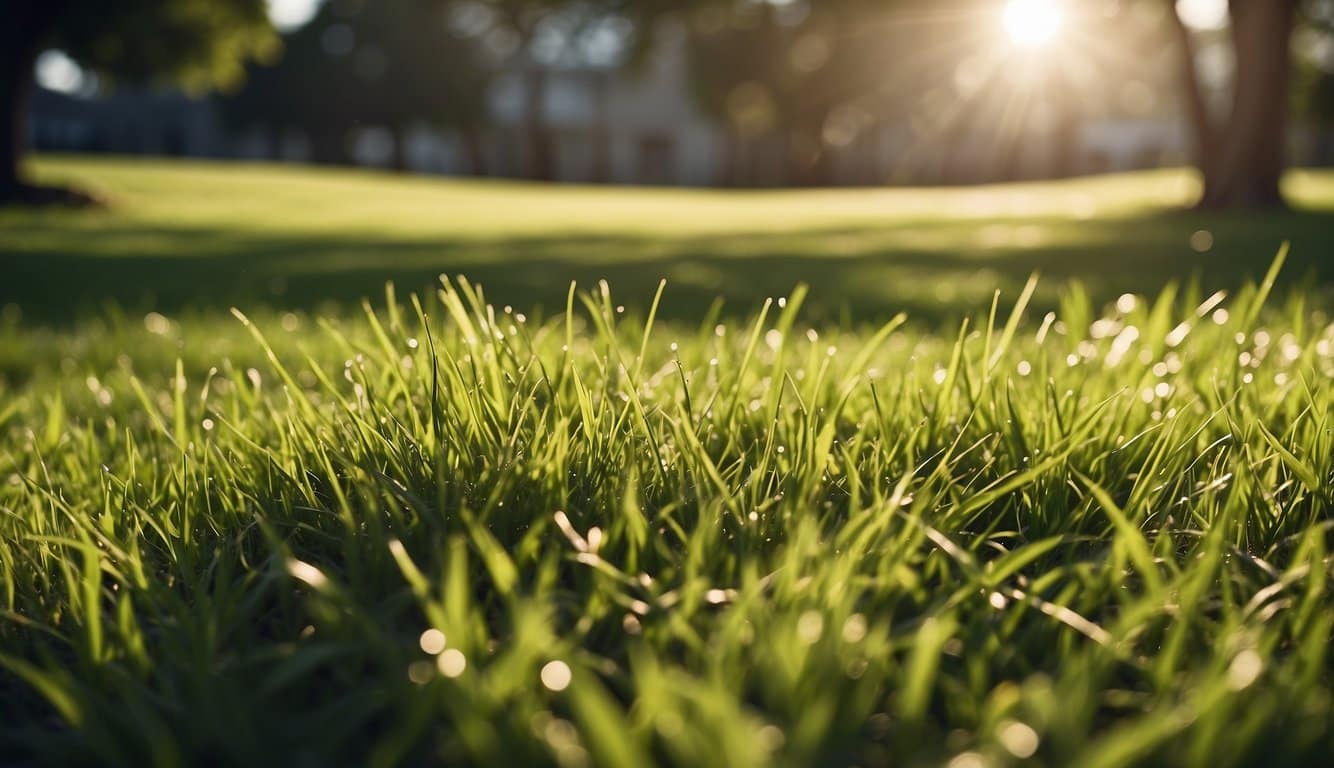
[{"x": 1032, "y": 23}]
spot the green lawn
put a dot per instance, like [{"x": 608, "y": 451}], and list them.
[
  {"x": 445, "y": 531},
  {"x": 196, "y": 234}
]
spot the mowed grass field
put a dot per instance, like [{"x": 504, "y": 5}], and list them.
[
  {"x": 199, "y": 235},
  {"x": 621, "y": 527}
]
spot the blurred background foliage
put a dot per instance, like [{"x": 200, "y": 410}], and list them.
[{"x": 791, "y": 92}]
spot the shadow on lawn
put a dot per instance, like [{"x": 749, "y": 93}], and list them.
[{"x": 934, "y": 269}]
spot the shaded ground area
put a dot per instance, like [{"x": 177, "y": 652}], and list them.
[{"x": 204, "y": 236}]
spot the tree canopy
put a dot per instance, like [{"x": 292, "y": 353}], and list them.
[
  {"x": 197, "y": 44},
  {"x": 390, "y": 63}
]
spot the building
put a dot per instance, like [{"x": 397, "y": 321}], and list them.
[{"x": 133, "y": 122}]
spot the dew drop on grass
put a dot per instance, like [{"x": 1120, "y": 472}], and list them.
[
  {"x": 420, "y": 672},
  {"x": 1177, "y": 334},
  {"x": 669, "y": 724},
  {"x": 968, "y": 760},
  {"x": 556, "y": 675},
  {"x": 1019, "y": 739},
  {"x": 157, "y": 324},
  {"x": 809, "y": 627},
  {"x": 1210, "y": 303},
  {"x": 854, "y": 629},
  {"x": 771, "y": 737},
  {"x": 432, "y": 641},
  {"x": 1244, "y": 669},
  {"x": 452, "y": 662},
  {"x": 307, "y": 573},
  {"x": 1104, "y": 328},
  {"x": 1047, "y": 321}
]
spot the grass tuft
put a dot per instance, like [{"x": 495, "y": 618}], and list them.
[{"x": 441, "y": 531}]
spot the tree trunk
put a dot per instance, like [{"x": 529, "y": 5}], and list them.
[
  {"x": 17, "y": 59},
  {"x": 1201, "y": 122},
  {"x": 1063, "y": 137},
  {"x": 541, "y": 164},
  {"x": 399, "y": 158},
  {"x": 600, "y": 172},
  {"x": 1062, "y": 161},
  {"x": 729, "y": 170},
  {"x": 328, "y": 146},
  {"x": 25, "y": 28},
  {"x": 473, "y": 147},
  {"x": 809, "y": 162},
  {"x": 16, "y": 91},
  {"x": 1244, "y": 166}
]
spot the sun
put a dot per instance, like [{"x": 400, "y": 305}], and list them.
[{"x": 1032, "y": 23}]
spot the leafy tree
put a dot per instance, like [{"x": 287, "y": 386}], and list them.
[
  {"x": 797, "y": 80},
  {"x": 198, "y": 44},
  {"x": 1241, "y": 154},
  {"x": 535, "y": 36},
  {"x": 387, "y": 63}
]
